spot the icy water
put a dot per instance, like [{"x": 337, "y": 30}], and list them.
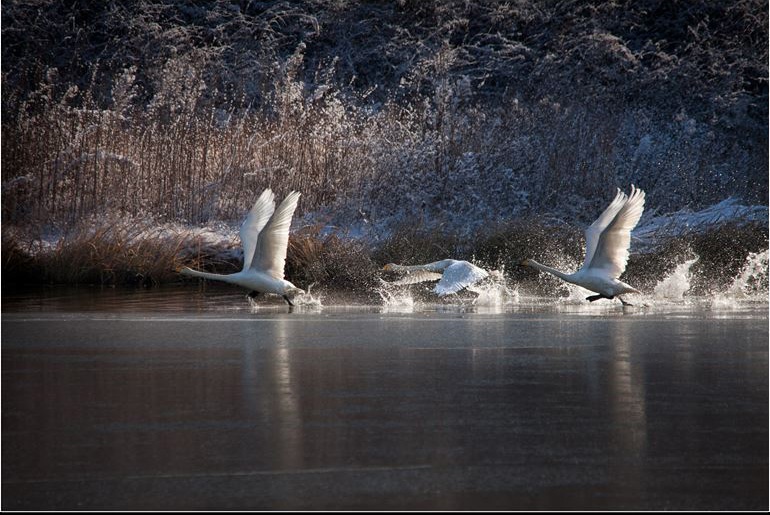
[{"x": 187, "y": 398}]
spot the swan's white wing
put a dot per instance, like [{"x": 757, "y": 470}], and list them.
[
  {"x": 270, "y": 255},
  {"x": 611, "y": 255},
  {"x": 594, "y": 231},
  {"x": 458, "y": 276},
  {"x": 254, "y": 223},
  {"x": 417, "y": 276}
]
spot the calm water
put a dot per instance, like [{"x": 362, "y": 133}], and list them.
[{"x": 188, "y": 399}]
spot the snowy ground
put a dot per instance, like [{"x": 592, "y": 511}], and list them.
[
  {"x": 653, "y": 227},
  {"x": 222, "y": 238}
]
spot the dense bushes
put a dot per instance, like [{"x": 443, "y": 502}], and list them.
[
  {"x": 451, "y": 117},
  {"x": 706, "y": 57},
  {"x": 131, "y": 252}
]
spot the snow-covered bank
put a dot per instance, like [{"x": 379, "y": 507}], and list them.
[
  {"x": 657, "y": 227},
  {"x": 221, "y": 238},
  {"x": 721, "y": 237}
]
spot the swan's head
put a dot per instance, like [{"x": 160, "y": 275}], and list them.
[{"x": 524, "y": 262}]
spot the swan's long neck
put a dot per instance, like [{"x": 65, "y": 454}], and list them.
[
  {"x": 544, "y": 268},
  {"x": 206, "y": 275}
]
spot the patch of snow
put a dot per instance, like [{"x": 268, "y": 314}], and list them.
[{"x": 684, "y": 221}]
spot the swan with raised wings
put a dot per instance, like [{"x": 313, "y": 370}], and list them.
[
  {"x": 607, "y": 243},
  {"x": 452, "y": 275},
  {"x": 264, "y": 237}
]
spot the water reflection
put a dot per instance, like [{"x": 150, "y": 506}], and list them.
[
  {"x": 627, "y": 401},
  {"x": 437, "y": 409},
  {"x": 289, "y": 430},
  {"x": 627, "y": 406}
]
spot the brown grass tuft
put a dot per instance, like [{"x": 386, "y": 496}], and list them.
[
  {"x": 329, "y": 261},
  {"x": 111, "y": 253}
]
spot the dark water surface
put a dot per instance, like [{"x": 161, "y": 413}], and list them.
[{"x": 169, "y": 400}]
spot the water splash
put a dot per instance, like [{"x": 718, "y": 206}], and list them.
[
  {"x": 752, "y": 280},
  {"x": 577, "y": 295},
  {"x": 395, "y": 298},
  {"x": 555, "y": 286},
  {"x": 308, "y": 299},
  {"x": 303, "y": 302},
  {"x": 495, "y": 291},
  {"x": 676, "y": 284}
]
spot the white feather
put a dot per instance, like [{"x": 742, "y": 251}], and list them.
[
  {"x": 607, "y": 242},
  {"x": 453, "y": 275},
  {"x": 270, "y": 254},
  {"x": 457, "y": 276},
  {"x": 594, "y": 231},
  {"x": 265, "y": 238},
  {"x": 611, "y": 247},
  {"x": 255, "y": 221},
  {"x": 417, "y": 276}
]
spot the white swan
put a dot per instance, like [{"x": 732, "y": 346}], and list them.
[
  {"x": 607, "y": 242},
  {"x": 452, "y": 275},
  {"x": 264, "y": 237}
]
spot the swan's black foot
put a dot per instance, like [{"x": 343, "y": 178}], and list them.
[
  {"x": 253, "y": 295},
  {"x": 594, "y": 298},
  {"x": 286, "y": 298},
  {"x": 624, "y": 302}
]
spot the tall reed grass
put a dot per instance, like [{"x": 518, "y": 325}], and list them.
[
  {"x": 443, "y": 160},
  {"x": 429, "y": 134}
]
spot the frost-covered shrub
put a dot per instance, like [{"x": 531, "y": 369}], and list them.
[
  {"x": 330, "y": 261},
  {"x": 452, "y": 116}
]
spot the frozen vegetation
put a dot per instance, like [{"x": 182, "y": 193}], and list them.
[
  {"x": 657, "y": 229},
  {"x": 135, "y": 136}
]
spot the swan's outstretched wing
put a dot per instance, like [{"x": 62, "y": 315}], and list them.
[
  {"x": 417, "y": 276},
  {"x": 457, "y": 276},
  {"x": 254, "y": 223},
  {"x": 594, "y": 231},
  {"x": 611, "y": 253},
  {"x": 270, "y": 255}
]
